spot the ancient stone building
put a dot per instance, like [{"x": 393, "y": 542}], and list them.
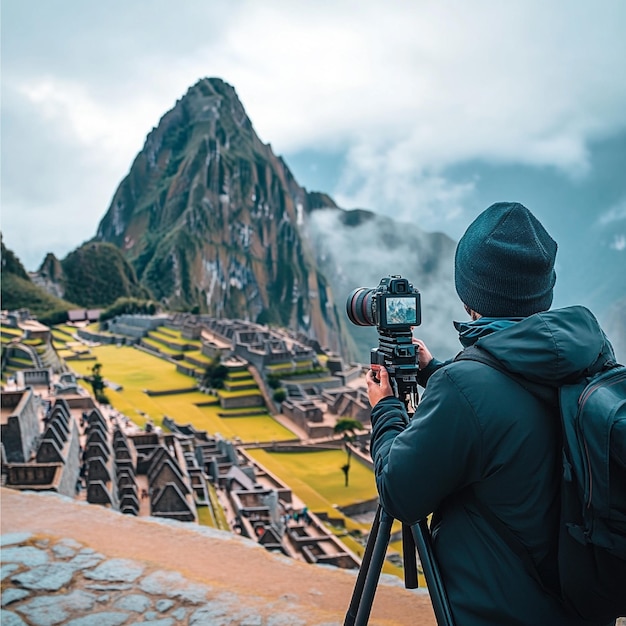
[
  {"x": 20, "y": 424},
  {"x": 55, "y": 466}
]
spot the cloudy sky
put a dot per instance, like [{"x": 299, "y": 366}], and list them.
[{"x": 426, "y": 111}]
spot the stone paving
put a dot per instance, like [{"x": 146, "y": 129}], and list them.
[
  {"x": 45, "y": 583},
  {"x": 61, "y": 582},
  {"x": 68, "y": 562}
]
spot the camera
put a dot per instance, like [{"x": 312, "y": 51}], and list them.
[{"x": 394, "y": 307}]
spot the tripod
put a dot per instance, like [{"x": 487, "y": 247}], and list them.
[{"x": 415, "y": 537}]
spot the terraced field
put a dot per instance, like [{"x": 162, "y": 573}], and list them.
[
  {"x": 147, "y": 387},
  {"x": 138, "y": 372},
  {"x": 317, "y": 479}
]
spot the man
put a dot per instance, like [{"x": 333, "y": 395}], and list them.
[{"x": 478, "y": 439}]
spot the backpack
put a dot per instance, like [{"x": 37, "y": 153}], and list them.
[{"x": 591, "y": 553}]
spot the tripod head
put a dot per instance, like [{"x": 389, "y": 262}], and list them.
[
  {"x": 394, "y": 307},
  {"x": 398, "y": 355}
]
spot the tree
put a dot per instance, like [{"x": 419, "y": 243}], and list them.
[
  {"x": 97, "y": 384},
  {"x": 280, "y": 395},
  {"x": 347, "y": 427},
  {"x": 215, "y": 374}
]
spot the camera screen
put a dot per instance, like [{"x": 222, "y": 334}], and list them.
[{"x": 401, "y": 311}]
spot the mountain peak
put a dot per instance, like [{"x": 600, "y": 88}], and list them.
[{"x": 210, "y": 219}]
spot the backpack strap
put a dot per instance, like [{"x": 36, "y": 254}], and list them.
[
  {"x": 511, "y": 540},
  {"x": 542, "y": 392},
  {"x": 475, "y": 353}
]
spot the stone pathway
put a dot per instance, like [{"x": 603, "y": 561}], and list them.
[
  {"x": 45, "y": 583},
  {"x": 68, "y": 562}
]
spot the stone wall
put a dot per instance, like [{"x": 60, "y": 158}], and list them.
[
  {"x": 20, "y": 430},
  {"x": 239, "y": 402},
  {"x": 32, "y": 377}
]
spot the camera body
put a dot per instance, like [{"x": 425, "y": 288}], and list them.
[{"x": 394, "y": 307}]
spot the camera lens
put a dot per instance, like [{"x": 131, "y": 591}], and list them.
[{"x": 359, "y": 307}]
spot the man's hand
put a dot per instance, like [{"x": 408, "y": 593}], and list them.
[
  {"x": 424, "y": 357},
  {"x": 378, "y": 387}
]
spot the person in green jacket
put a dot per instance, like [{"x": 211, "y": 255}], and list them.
[{"x": 478, "y": 440}]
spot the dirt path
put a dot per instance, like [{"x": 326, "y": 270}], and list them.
[{"x": 317, "y": 594}]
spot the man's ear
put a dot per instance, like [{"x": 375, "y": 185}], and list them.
[{"x": 475, "y": 316}]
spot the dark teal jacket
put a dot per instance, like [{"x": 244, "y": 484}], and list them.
[{"x": 478, "y": 434}]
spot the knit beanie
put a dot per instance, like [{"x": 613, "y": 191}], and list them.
[{"x": 504, "y": 263}]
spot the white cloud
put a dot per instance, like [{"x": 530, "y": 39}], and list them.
[
  {"x": 405, "y": 90},
  {"x": 95, "y": 124},
  {"x": 619, "y": 243},
  {"x": 616, "y": 213}
]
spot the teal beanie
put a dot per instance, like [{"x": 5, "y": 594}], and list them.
[{"x": 504, "y": 263}]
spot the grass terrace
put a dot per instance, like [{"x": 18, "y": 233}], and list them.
[
  {"x": 173, "y": 338},
  {"x": 9, "y": 334},
  {"x": 224, "y": 393},
  {"x": 317, "y": 479},
  {"x": 137, "y": 371},
  {"x": 160, "y": 347},
  {"x": 309, "y": 380},
  {"x": 66, "y": 328},
  {"x": 169, "y": 332},
  {"x": 304, "y": 365},
  {"x": 77, "y": 347},
  {"x": 64, "y": 353},
  {"x": 196, "y": 355},
  {"x": 19, "y": 363},
  {"x": 60, "y": 336},
  {"x": 34, "y": 343},
  {"x": 279, "y": 368},
  {"x": 170, "y": 343},
  {"x": 321, "y": 472},
  {"x": 239, "y": 375},
  {"x": 218, "y": 515},
  {"x": 243, "y": 412},
  {"x": 240, "y": 384}
]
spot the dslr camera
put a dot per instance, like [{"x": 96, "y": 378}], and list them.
[{"x": 394, "y": 307}]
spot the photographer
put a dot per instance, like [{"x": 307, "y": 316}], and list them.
[{"x": 478, "y": 439}]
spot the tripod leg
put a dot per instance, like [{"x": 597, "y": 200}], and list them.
[
  {"x": 434, "y": 582},
  {"x": 369, "y": 573},
  {"x": 409, "y": 558}
]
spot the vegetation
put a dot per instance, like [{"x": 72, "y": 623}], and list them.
[
  {"x": 129, "y": 306},
  {"x": 215, "y": 374},
  {"x": 347, "y": 427},
  {"x": 94, "y": 275},
  {"x": 19, "y": 292},
  {"x": 279, "y": 395},
  {"x": 313, "y": 477},
  {"x": 136, "y": 372},
  {"x": 54, "y": 316},
  {"x": 97, "y": 384},
  {"x": 273, "y": 380},
  {"x": 97, "y": 274},
  {"x": 11, "y": 264}
]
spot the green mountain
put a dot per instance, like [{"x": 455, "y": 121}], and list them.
[
  {"x": 19, "y": 291},
  {"x": 94, "y": 275},
  {"x": 210, "y": 219}
]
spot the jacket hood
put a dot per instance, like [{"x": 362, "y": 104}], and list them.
[{"x": 553, "y": 347}]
